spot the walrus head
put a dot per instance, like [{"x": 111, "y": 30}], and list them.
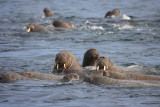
[
  {"x": 48, "y": 12},
  {"x": 66, "y": 61},
  {"x": 104, "y": 63},
  {"x": 90, "y": 57},
  {"x": 35, "y": 28},
  {"x": 58, "y": 23},
  {"x": 114, "y": 12}
]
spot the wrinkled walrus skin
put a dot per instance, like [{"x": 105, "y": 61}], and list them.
[
  {"x": 12, "y": 76},
  {"x": 90, "y": 57},
  {"x": 35, "y": 28}
]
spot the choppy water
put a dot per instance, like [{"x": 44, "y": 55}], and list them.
[{"x": 133, "y": 42}]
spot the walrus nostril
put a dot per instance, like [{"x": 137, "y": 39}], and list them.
[{"x": 102, "y": 57}]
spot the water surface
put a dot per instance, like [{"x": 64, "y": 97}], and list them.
[{"x": 133, "y": 42}]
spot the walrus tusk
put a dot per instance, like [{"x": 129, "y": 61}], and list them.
[
  {"x": 57, "y": 66},
  {"x": 28, "y": 30},
  {"x": 97, "y": 68},
  {"x": 64, "y": 66},
  {"x": 73, "y": 26},
  {"x": 104, "y": 67}
]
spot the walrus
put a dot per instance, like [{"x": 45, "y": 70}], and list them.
[
  {"x": 105, "y": 63},
  {"x": 48, "y": 12},
  {"x": 60, "y": 24},
  {"x": 90, "y": 57},
  {"x": 13, "y": 76},
  {"x": 35, "y": 28},
  {"x": 10, "y": 76},
  {"x": 117, "y": 72},
  {"x": 109, "y": 81},
  {"x": 66, "y": 61},
  {"x": 115, "y": 12}
]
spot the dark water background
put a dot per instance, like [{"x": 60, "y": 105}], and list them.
[{"x": 134, "y": 42}]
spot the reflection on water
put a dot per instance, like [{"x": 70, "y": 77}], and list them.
[{"x": 126, "y": 42}]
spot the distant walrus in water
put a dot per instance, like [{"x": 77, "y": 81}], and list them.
[
  {"x": 90, "y": 57},
  {"x": 114, "y": 12},
  {"x": 35, "y": 28},
  {"x": 48, "y": 12},
  {"x": 58, "y": 23}
]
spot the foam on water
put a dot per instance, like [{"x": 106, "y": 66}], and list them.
[{"x": 125, "y": 17}]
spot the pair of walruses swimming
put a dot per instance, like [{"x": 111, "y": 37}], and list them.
[
  {"x": 107, "y": 72},
  {"x": 57, "y": 24}
]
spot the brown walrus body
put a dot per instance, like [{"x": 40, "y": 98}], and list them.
[
  {"x": 66, "y": 61},
  {"x": 35, "y": 28},
  {"x": 118, "y": 75},
  {"x": 48, "y": 12},
  {"x": 114, "y": 12},
  {"x": 60, "y": 24},
  {"x": 12, "y": 76},
  {"x": 90, "y": 57}
]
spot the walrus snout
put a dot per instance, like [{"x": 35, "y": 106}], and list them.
[
  {"x": 30, "y": 27},
  {"x": 63, "y": 61},
  {"x": 103, "y": 63}
]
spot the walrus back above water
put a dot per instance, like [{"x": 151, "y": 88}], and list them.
[
  {"x": 58, "y": 23},
  {"x": 90, "y": 57},
  {"x": 115, "y": 12}
]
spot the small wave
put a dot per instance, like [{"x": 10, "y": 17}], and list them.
[
  {"x": 122, "y": 27},
  {"x": 92, "y": 26},
  {"x": 125, "y": 17}
]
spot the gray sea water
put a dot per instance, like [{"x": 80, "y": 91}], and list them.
[{"x": 126, "y": 42}]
